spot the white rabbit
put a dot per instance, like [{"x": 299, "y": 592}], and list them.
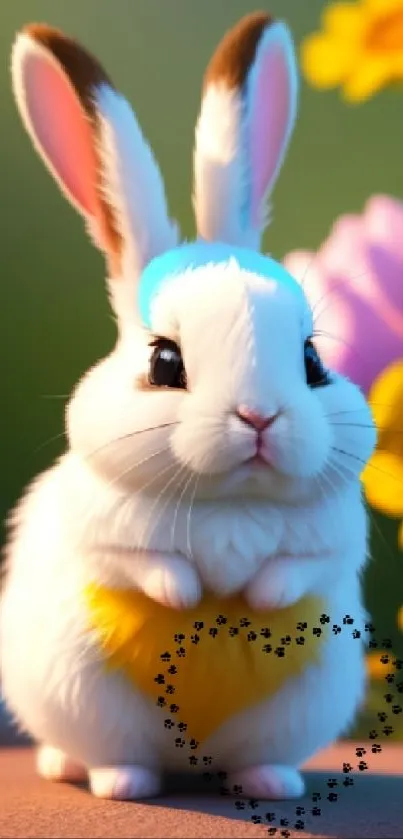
[{"x": 211, "y": 455}]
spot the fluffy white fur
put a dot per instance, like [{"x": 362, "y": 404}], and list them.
[
  {"x": 277, "y": 534},
  {"x": 157, "y": 492}
]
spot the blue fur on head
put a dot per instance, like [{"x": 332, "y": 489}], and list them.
[{"x": 164, "y": 268}]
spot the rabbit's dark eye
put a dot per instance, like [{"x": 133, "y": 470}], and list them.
[
  {"x": 316, "y": 373},
  {"x": 166, "y": 365}
]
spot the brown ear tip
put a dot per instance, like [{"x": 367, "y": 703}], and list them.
[
  {"x": 40, "y": 32},
  {"x": 236, "y": 51}
]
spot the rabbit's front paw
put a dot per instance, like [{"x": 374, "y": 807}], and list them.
[
  {"x": 279, "y": 583},
  {"x": 172, "y": 581}
]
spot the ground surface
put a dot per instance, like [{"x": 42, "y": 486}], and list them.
[{"x": 372, "y": 807}]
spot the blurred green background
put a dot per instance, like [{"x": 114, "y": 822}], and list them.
[{"x": 55, "y": 318}]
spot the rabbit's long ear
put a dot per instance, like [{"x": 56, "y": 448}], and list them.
[
  {"x": 89, "y": 138},
  {"x": 248, "y": 111}
]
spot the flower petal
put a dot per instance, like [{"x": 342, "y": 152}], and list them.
[
  {"x": 386, "y": 400},
  {"x": 368, "y": 77},
  {"x": 380, "y": 8},
  {"x": 326, "y": 61},
  {"x": 383, "y": 483},
  {"x": 345, "y": 20}
]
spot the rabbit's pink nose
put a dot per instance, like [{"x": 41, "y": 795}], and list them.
[{"x": 254, "y": 419}]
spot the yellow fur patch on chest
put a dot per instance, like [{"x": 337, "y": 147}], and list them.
[{"x": 220, "y": 675}]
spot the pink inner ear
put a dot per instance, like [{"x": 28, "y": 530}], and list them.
[
  {"x": 62, "y": 130},
  {"x": 271, "y": 113}
]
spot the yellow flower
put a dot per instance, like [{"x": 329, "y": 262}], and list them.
[
  {"x": 359, "y": 48},
  {"x": 383, "y": 475}
]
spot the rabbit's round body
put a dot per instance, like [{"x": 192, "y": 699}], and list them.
[{"x": 213, "y": 462}]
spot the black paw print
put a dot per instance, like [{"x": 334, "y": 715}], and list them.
[
  {"x": 256, "y": 819},
  {"x": 376, "y": 748},
  {"x": 300, "y": 811},
  {"x": 221, "y": 620},
  {"x": 251, "y": 636},
  {"x": 222, "y": 775},
  {"x": 233, "y": 630},
  {"x": 397, "y": 663},
  {"x": 284, "y": 822},
  {"x": 160, "y": 679},
  {"x": 332, "y": 796},
  {"x": 316, "y": 796},
  {"x": 170, "y": 689},
  {"x": 316, "y": 811},
  {"x": 194, "y": 743},
  {"x": 369, "y": 627},
  {"x": 302, "y": 626},
  {"x": 360, "y": 751},
  {"x": 174, "y": 708},
  {"x": 362, "y": 766},
  {"x": 181, "y": 652},
  {"x": 271, "y": 831},
  {"x": 317, "y": 631},
  {"x": 384, "y": 659},
  {"x": 285, "y": 834},
  {"x": 286, "y": 640},
  {"x": 387, "y": 644},
  {"x": 348, "y": 782},
  {"x": 165, "y": 656},
  {"x": 348, "y": 620},
  {"x": 372, "y": 644},
  {"x": 356, "y": 634},
  {"x": 373, "y": 734},
  {"x": 172, "y": 670},
  {"x": 237, "y": 789},
  {"x": 300, "y": 640},
  {"x": 193, "y": 760},
  {"x": 240, "y": 805},
  {"x": 182, "y": 726},
  {"x": 198, "y": 625},
  {"x": 399, "y": 687},
  {"x": 324, "y": 619},
  {"x": 336, "y": 629},
  {"x": 213, "y": 631},
  {"x": 382, "y": 716},
  {"x": 265, "y": 632},
  {"x": 179, "y": 637},
  {"x": 179, "y": 742},
  {"x": 195, "y": 639},
  {"x": 347, "y": 768},
  {"x": 388, "y": 697},
  {"x": 390, "y": 678},
  {"x": 161, "y": 701},
  {"x": 169, "y": 723},
  {"x": 279, "y": 651},
  {"x": 387, "y": 730},
  {"x": 270, "y": 817},
  {"x": 207, "y": 760},
  {"x": 396, "y": 709},
  {"x": 267, "y": 648},
  {"x": 332, "y": 782},
  {"x": 299, "y": 825},
  {"x": 253, "y": 803},
  {"x": 244, "y": 622}
]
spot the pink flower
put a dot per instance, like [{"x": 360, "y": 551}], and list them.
[{"x": 355, "y": 286}]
